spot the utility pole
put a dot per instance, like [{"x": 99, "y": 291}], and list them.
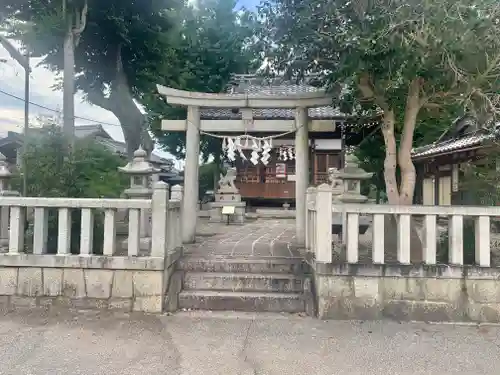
[{"x": 27, "y": 71}]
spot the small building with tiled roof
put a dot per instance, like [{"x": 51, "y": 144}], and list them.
[
  {"x": 440, "y": 165},
  {"x": 330, "y": 131},
  {"x": 281, "y": 136}
]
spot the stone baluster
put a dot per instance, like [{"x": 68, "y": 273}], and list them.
[
  {"x": 109, "y": 245},
  {"x": 87, "y": 231},
  {"x": 64, "y": 232},
  {"x": 5, "y": 191},
  {"x": 456, "y": 240},
  {"x": 483, "y": 236}
]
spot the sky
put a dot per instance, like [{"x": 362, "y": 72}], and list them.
[{"x": 41, "y": 93}]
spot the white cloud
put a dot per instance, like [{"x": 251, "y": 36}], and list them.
[{"x": 41, "y": 93}]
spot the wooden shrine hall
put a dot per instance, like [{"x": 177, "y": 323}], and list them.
[{"x": 304, "y": 134}]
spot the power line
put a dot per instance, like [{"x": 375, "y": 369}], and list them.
[{"x": 55, "y": 110}]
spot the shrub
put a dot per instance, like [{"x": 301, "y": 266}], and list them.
[{"x": 87, "y": 170}]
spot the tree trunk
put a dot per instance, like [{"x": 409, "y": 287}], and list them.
[
  {"x": 132, "y": 122},
  {"x": 408, "y": 173},
  {"x": 390, "y": 163},
  {"x": 69, "y": 86},
  {"x": 404, "y": 194},
  {"x": 76, "y": 21},
  {"x": 121, "y": 103}
]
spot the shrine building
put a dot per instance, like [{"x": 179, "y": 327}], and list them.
[{"x": 281, "y": 136}]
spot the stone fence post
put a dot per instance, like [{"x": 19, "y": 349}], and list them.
[
  {"x": 310, "y": 201},
  {"x": 323, "y": 230},
  {"x": 159, "y": 219}
]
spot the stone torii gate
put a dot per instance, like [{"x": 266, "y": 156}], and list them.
[{"x": 245, "y": 103}]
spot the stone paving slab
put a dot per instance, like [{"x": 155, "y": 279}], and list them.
[
  {"x": 260, "y": 238},
  {"x": 86, "y": 343}
]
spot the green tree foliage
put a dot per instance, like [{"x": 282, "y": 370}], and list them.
[
  {"x": 119, "y": 55},
  {"x": 402, "y": 60},
  {"x": 214, "y": 42},
  {"x": 480, "y": 182},
  {"x": 127, "y": 47},
  {"x": 88, "y": 171}
]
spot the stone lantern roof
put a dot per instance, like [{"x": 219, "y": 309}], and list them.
[
  {"x": 352, "y": 171},
  {"x": 139, "y": 164}
]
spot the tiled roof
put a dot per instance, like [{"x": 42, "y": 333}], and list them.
[
  {"x": 121, "y": 149},
  {"x": 101, "y": 136},
  {"x": 271, "y": 88},
  {"x": 319, "y": 113},
  {"x": 451, "y": 145}
]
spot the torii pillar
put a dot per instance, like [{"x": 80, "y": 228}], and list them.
[
  {"x": 194, "y": 100},
  {"x": 191, "y": 170},
  {"x": 301, "y": 173}
]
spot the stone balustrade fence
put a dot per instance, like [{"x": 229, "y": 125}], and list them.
[
  {"x": 319, "y": 238},
  {"x": 134, "y": 280},
  {"x": 415, "y": 262}
]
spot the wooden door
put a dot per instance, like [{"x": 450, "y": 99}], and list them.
[
  {"x": 445, "y": 190},
  {"x": 322, "y": 162},
  {"x": 428, "y": 192}
]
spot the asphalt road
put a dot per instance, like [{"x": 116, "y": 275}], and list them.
[{"x": 34, "y": 343}]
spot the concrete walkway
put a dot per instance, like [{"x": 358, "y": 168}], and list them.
[{"x": 226, "y": 344}]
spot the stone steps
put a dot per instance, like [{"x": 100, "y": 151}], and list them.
[
  {"x": 242, "y": 265},
  {"x": 241, "y": 301},
  {"x": 242, "y": 284}
]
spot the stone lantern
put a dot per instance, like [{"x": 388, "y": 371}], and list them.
[
  {"x": 5, "y": 177},
  {"x": 140, "y": 172},
  {"x": 351, "y": 177}
]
